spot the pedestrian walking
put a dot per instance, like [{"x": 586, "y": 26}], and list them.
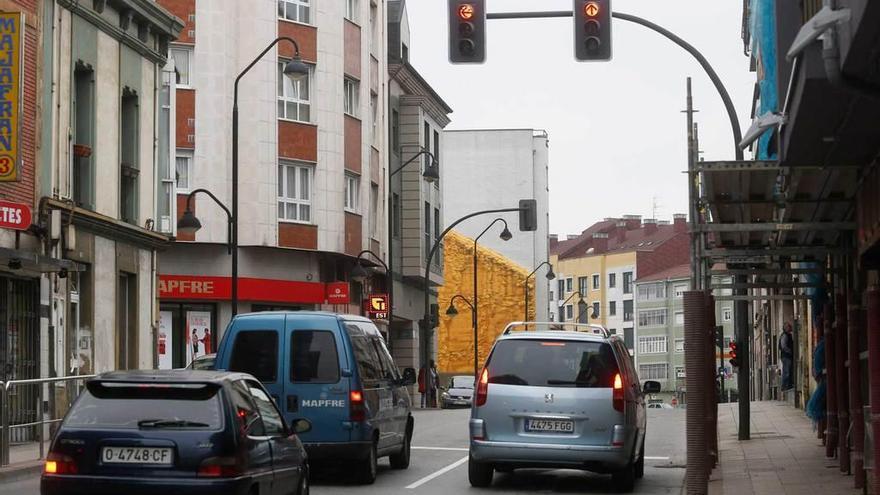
[
  {"x": 816, "y": 409},
  {"x": 786, "y": 354}
]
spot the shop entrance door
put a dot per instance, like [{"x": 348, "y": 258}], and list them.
[
  {"x": 20, "y": 350},
  {"x": 186, "y": 330}
]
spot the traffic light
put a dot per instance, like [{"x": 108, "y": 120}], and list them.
[
  {"x": 467, "y": 31},
  {"x": 734, "y": 359},
  {"x": 528, "y": 215},
  {"x": 592, "y": 30}
]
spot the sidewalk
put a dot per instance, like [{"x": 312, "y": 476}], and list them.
[
  {"x": 24, "y": 461},
  {"x": 783, "y": 457}
]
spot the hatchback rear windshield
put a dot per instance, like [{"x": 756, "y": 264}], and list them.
[
  {"x": 147, "y": 407},
  {"x": 553, "y": 363}
]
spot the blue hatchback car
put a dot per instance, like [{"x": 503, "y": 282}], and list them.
[
  {"x": 334, "y": 371},
  {"x": 170, "y": 432}
]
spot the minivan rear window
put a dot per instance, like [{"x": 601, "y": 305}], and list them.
[
  {"x": 553, "y": 363},
  {"x": 313, "y": 357},
  {"x": 132, "y": 406},
  {"x": 256, "y": 352}
]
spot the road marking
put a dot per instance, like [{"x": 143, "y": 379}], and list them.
[
  {"x": 656, "y": 458},
  {"x": 438, "y": 473},
  {"x": 451, "y": 449}
]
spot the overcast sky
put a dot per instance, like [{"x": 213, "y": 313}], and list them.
[{"x": 617, "y": 137}]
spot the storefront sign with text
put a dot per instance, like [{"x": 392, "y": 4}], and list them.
[
  {"x": 377, "y": 306},
  {"x": 11, "y": 31},
  {"x": 16, "y": 216},
  {"x": 198, "y": 287},
  {"x": 338, "y": 293}
]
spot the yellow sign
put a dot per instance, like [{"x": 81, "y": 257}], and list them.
[{"x": 11, "y": 37}]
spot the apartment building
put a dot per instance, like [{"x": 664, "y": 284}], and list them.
[{"x": 312, "y": 158}]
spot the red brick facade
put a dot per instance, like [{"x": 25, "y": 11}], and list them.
[
  {"x": 183, "y": 9},
  {"x": 296, "y": 235}
]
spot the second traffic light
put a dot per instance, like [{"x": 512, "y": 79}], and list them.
[
  {"x": 528, "y": 215},
  {"x": 734, "y": 359},
  {"x": 592, "y": 30},
  {"x": 467, "y": 31}
]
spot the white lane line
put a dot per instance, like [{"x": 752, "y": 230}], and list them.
[
  {"x": 438, "y": 473},
  {"x": 451, "y": 449},
  {"x": 647, "y": 458}
]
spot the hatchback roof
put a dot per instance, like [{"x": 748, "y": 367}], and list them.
[
  {"x": 170, "y": 376},
  {"x": 556, "y": 334}
]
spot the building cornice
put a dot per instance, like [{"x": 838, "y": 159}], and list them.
[
  {"x": 419, "y": 91},
  {"x": 108, "y": 227},
  {"x": 148, "y": 15}
]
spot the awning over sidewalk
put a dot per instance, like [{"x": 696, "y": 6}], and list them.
[{"x": 29, "y": 263}]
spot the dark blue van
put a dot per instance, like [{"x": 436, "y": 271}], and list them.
[{"x": 336, "y": 372}]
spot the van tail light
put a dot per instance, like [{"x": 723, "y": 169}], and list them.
[
  {"x": 357, "y": 408},
  {"x": 482, "y": 388},
  {"x": 617, "y": 393},
  {"x": 60, "y": 464},
  {"x": 220, "y": 467}
]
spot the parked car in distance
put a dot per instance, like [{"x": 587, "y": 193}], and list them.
[
  {"x": 175, "y": 431},
  {"x": 205, "y": 362},
  {"x": 459, "y": 392},
  {"x": 335, "y": 371},
  {"x": 659, "y": 405},
  {"x": 559, "y": 396}
]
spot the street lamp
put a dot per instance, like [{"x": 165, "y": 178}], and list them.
[
  {"x": 190, "y": 224},
  {"x": 550, "y": 276},
  {"x": 451, "y": 311},
  {"x": 505, "y": 236},
  {"x": 359, "y": 274},
  {"x": 297, "y": 71},
  {"x": 569, "y": 298}
]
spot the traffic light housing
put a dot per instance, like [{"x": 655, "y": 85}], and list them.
[
  {"x": 467, "y": 31},
  {"x": 592, "y": 30},
  {"x": 528, "y": 215},
  {"x": 734, "y": 359}
]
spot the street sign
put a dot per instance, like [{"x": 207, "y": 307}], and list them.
[
  {"x": 11, "y": 36},
  {"x": 337, "y": 293},
  {"x": 15, "y": 216},
  {"x": 377, "y": 306}
]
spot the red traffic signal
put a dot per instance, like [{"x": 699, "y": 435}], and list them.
[
  {"x": 734, "y": 359},
  {"x": 467, "y": 31}
]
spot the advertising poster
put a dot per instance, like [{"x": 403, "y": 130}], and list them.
[
  {"x": 166, "y": 341},
  {"x": 199, "y": 340}
]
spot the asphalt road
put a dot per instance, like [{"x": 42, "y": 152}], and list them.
[{"x": 439, "y": 464}]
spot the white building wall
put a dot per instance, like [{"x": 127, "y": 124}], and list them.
[
  {"x": 488, "y": 169},
  {"x": 107, "y": 99},
  {"x": 105, "y": 280},
  {"x": 616, "y": 294}
]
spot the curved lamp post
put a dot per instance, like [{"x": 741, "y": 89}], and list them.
[
  {"x": 190, "y": 224},
  {"x": 505, "y": 236},
  {"x": 452, "y": 312},
  {"x": 569, "y": 298},
  {"x": 359, "y": 274},
  {"x": 296, "y": 70},
  {"x": 550, "y": 276}
]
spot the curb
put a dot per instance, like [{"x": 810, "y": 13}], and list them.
[{"x": 20, "y": 471}]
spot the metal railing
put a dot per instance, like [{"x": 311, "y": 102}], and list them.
[{"x": 45, "y": 417}]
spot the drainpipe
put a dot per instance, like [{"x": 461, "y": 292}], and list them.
[
  {"x": 874, "y": 374},
  {"x": 840, "y": 372}
]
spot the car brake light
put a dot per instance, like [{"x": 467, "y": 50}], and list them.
[
  {"x": 219, "y": 467},
  {"x": 60, "y": 464},
  {"x": 483, "y": 388},
  {"x": 617, "y": 393},
  {"x": 357, "y": 409}
]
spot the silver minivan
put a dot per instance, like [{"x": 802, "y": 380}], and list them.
[{"x": 558, "y": 395}]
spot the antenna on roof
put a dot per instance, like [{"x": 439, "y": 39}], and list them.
[{"x": 655, "y": 205}]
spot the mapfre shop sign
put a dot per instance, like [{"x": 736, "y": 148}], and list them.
[{"x": 14, "y": 216}]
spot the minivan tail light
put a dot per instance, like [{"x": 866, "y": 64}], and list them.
[
  {"x": 617, "y": 393},
  {"x": 482, "y": 388},
  {"x": 60, "y": 464},
  {"x": 219, "y": 467},
  {"x": 357, "y": 408}
]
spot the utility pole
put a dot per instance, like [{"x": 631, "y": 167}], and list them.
[{"x": 692, "y": 193}]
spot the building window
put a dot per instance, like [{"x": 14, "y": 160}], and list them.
[
  {"x": 679, "y": 317},
  {"x": 427, "y": 233},
  {"x": 436, "y": 153},
  {"x": 652, "y": 318},
  {"x": 679, "y": 345},
  {"x": 352, "y": 193},
  {"x": 426, "y": 127},
  {"x": 652, "y": 292},
  {"x": 561, "y": 287},
  {"x": 596, "y": 312},
  {"x": 351, "y": 89},
  {"x": 129, "y": 151},
  {"x": 374, "y": 210},
  {"x": 167, "y": 184},
  {"x": 293, "y": 97},
  {"x": 395, "y": 214},
  {"x": 551, "y": 296},
  {"x": 726, "y": 315},
  {"x": 628, "y": 338},
  {"x": 628, "y": 310},
  {"x": 627, "y": 282},
  {"x": 82, "y": 176},
  {"x": 612, "y": 331},
  {"x": 374, "y": 116},
  {"x": 395, "y": 131},
  {"x": 351, "y": 10},
  {"x": 656, "y": 371},
  {"x": 652, "y": 345},
  {"x": 612, "y": 308},
  {"x": 612, "y": 280},
  {"x": 295, "y": 10},
  {"x": 679, "y": 290},
  {"x": 569, "y": 312},
  {"x": 127, "y": 322},
  {"x": 596, "y": 281},
  {"x": 183, "y": 170},
  {"x": 568, "y": 284},
  {"x": 582, "y": 285},
  {"x": 437, "y": 259},
  {"x": 374, "y": 30},
  {"x": 295, "y": 192},
  {"x": 182, "y": 56}
]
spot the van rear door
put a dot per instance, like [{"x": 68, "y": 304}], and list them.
[
  {"x": 253, "y": 345},
  {"x": 314, "y": 385}
]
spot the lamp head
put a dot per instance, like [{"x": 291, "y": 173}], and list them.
[
  {"x": 358, "y": 273},
  {"x": 188, "y": 223},
  {"x": 296, "y": 69},
  {"x": 550, "y": 275},
  {"x": 451, "y": 311},
  {"x": 505, "y": 234},
  {"x": 432, "y": 170}
]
